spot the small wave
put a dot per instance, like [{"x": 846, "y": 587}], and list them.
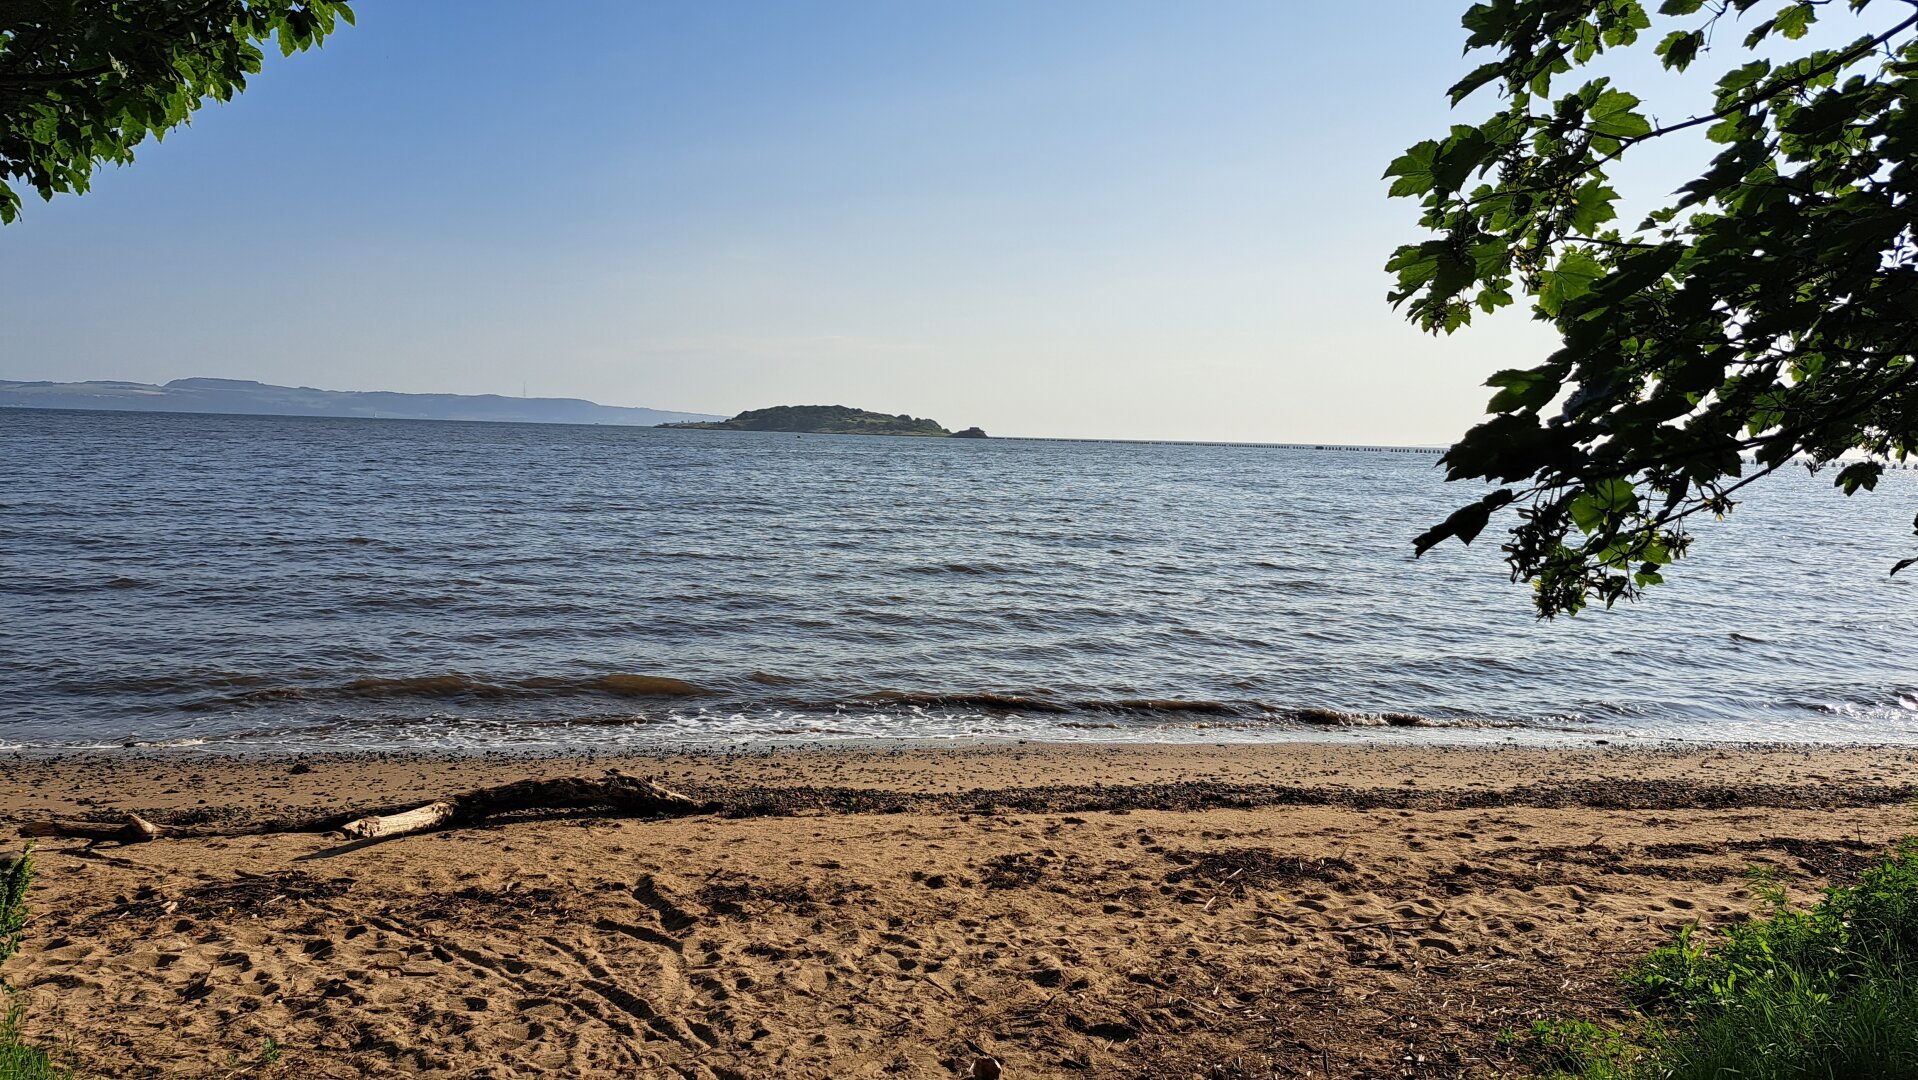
[
  {"x": 1168, "y": 705},
  {"x": 63, "y": 588},
  {"x": 542, "y": 701},
  {"x": 642, "y": 686},
  {"x": 198, "y": 682},
  {"x": 618, "y": 720},
  {"x": 461, "y": 687},
  {"x": 405, "y": 601},
  {"x": 1005, "y": 702},
  {"x": 1845, "y": 703},
  {"x": 1341, "y": 718},
  {"x": 985, "y": 702},
  {"x": 419, "y": 686}
]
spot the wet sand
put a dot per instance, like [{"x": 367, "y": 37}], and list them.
[{"x": 1316, "y": 909}]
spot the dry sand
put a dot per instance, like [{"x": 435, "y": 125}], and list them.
[{"x": 1302, "y": 910}]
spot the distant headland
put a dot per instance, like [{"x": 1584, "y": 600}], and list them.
[
  {"x": 830, "y": 420},
  {"x": 263, "y": 399}
]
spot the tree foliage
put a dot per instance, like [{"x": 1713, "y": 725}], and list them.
[
  {"x": 82, "y": 82},
  {"x": 1767, "y": 313}
]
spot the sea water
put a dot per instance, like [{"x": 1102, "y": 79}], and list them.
[{"x": 305, "y": 583}]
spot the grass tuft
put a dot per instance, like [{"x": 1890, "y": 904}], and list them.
[
  {"x": 19, "y": 1060},
  {"x": 14, "y": 876},
  {"x": 1828, "y": 992},
  {"x": 1573, "y": 1048}
]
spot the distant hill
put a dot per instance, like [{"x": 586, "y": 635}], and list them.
[
  {"x": 830, "y": 420},
  {"x": 246, "y": 396}
]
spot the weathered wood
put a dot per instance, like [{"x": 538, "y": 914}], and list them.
[
  {"x": 134, "y": 830},
  {"x": 420, "y": 819},
  {"x": 617, "y": 792}
]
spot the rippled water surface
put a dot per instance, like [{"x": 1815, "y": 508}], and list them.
[{"x": 255, "y": 582}]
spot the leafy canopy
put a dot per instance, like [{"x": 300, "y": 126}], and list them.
[
  {"x": 82, "y": 82},
  {"x": 1768, "y": 312}
]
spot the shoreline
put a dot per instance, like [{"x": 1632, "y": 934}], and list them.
[
  {"x": 1358, "y": 738},
  {"x": 138, "y": 778},
  {"x": 1073, "y": 909}
]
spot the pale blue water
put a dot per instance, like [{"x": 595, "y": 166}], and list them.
[{"x": 259, "y": 582}]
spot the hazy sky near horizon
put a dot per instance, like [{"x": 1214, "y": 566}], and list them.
[{"x": 1079, "y": 218}]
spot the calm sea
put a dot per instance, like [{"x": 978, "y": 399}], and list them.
[{"x": 263, "y": 583}]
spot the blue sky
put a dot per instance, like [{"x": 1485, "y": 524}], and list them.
[{"x": 1100, "y": 218}]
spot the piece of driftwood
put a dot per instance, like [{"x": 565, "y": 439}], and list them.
[
  {"x": 420, "y": 819},
  {"x": 133, "y": 830},
  {"x": 625, "y": 795},
  {"x": 630, "y": 795}
]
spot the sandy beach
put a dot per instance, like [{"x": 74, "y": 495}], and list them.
[{"x": 1302, "y": 910}]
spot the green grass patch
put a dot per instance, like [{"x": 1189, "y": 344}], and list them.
[
  {"x": 1574, "y": 1048},
  {"x": 1828, "y": 992},
  {"x": 19, "y": 1060}
]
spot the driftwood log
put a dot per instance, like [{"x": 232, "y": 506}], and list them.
[
  {"x": 134, "y": 829},
  {"x": 628, "y": 796}
]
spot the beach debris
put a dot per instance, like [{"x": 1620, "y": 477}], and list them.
[
  {"x": 133, "y": 829},
  {"x": 419, "y": 819},
  {"x": 629, "y": 795}
]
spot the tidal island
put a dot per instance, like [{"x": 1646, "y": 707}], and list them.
[{"x": 831, "y": 420}]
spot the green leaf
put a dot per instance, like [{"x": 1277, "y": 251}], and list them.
[
  {"x": 1615, "y": 114},
  {"x": 1595, "y": 203},
  {"x": 1570, "y": 279},
  {"x": 1585, "y": 513},
  {"x": 1615, "y": 494},
  {"x": 1413, "y": 169},
  {"x": 1528, "y": 388},
  {"x": 1465, "y": 523},
  {"x": 1795, "y": 21},
  {"x": 1487, "y": 23},
  {"x": 1471, "y": 83},
  {"x": 1604, "y": 499},
  {"x": 1860, "y": 474},
  {"x": 1739, "y": 78},
  {"x": 1680, "y": 48},
  {"x": 1416, "y": 265},
  {"x": 1466, "y": 151}
]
